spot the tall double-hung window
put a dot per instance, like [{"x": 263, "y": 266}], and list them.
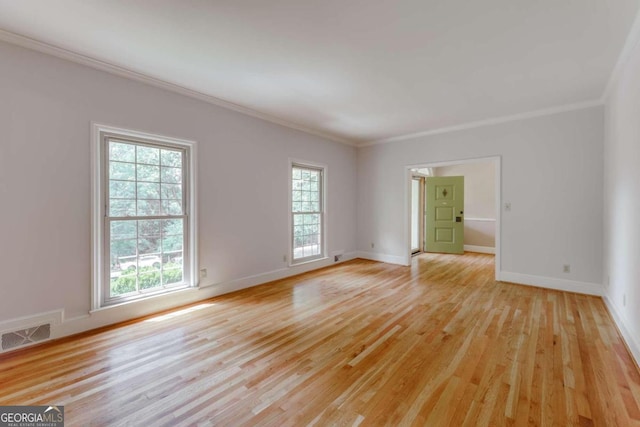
[
  {"x": 144, "y": 224},
  {"x": 307, "y": 212}
]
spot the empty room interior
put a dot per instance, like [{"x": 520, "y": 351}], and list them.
[{"x": 320, "y": 213}]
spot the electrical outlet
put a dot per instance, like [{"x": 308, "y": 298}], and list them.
[
  {"x": 203, "y": 273},
  {"x": 373, "y": 245},
  {"x": 507, "y": 207},
  {"x": 566, "y": 268},
  {"x": 284, "y": 258}
]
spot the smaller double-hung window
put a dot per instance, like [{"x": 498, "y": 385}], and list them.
[{"x": 307, "y": 212}]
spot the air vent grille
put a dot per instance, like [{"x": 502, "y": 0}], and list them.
[{"x": 24, "y": 337}]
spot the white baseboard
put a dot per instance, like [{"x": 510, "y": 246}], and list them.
[
  {"x": 480, "y": 249},
  {"x": 54, "y": 317},
  {"x": 629, "y": 339},
  {"x": 61, "y": 326},
  {"x": 258, "y": 279},
  {"x": 391, "y": 259},
  {"x": 552, "y": 283}
]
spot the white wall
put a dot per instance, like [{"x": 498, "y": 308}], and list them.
[
  {"x": 46, "y": 105},
  {"x": 551, "y": 174},
  {"x": 622, "y": 201},
  {"x": 479, "y": 200}
]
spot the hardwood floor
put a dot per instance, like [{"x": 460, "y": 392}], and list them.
[{"x": 361, "y": 343}]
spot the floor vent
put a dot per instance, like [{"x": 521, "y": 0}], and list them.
[{"x": 25, "y": 337}]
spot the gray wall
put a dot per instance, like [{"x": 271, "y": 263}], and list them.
[
  {"x": 45, "y": 114},
  {"x": 622, "y": 201},
  {"x": 551, "y": 174}
]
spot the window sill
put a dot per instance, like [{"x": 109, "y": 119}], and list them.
[
  {"x": 144, "y": 298},
  {"x": 296, "y": 264}
]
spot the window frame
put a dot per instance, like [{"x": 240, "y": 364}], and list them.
[
  {"x": 303, "y": 164},
  {"x": 101, "y": 135}
]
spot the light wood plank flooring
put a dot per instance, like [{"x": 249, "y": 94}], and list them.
[{"x": 361, "y": 343}]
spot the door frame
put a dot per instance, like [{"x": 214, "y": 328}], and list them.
[
  {"x": 408, "y": 176},
  {"x": 421, "y": 212}
]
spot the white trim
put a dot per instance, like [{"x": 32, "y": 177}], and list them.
[
  {"x": 497, "y": 161},
  {"x": 55, "y": 317},
  {"x": 625, "y": 54},
  {"x": 117, "y": 70},
  {"x": 480, "y": 219},
  {"x": 78, "y": 58},
  {"x": 480, "y": 249},
  {"x": 391, "y": 259},
  {"x": 629, "y": 339},
  {"x": 97, "y": 213},
  {"x": 488, "y": 122},
  {"x": 552, "y": 283},
  {"x": 124, "y": 312}
]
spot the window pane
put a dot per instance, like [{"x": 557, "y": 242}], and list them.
[
  {"x": 123, "y": 284},
  {"x": 172, "y": 191},
  {"x": 148, "y": 207},
  {"x": 150, "y": 228},
  {"x": 122, "y": 208},
  {"x": 122, "y": 152},
  {"x": 122, "y": 190},
  {"x": 150, "y": 246},
  {"x": 124, "y": 230},
  {"x": 148, "y": 173},
  {"x": 172, "y": 175},
  {"x": 172, "y": 260},
  {"x": 173, "y": 227},
  {"x": 172, "y": 207},
  {"x": 172, "y": 158},
  {"x": 170, "y": 276},
  {"x": 172, "y": 245},
  {"x": 149, "y": 280},
  {"x": 311, "y": 219},
  {"x": 148, "y": 190},
  {"x": 123, "y": 254},
  {"x": 122, "y": 171},
  {"x": 148, "y": 155}
]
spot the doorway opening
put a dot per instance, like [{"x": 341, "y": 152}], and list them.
[{"x": 481, "y": 219}]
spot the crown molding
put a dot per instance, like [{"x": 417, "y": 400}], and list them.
[
  {"x": 630, "y": 44},
  {"x": 488, "y": 122},
  {"x": 29, "y": 43}
]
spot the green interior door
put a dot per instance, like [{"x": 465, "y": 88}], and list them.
[{"x": 445, "y": 214}]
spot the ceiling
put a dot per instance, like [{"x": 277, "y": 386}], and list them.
[{"x": 352, "y": 70}]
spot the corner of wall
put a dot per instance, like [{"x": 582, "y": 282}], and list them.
[{"x": 629, "y": 339}]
